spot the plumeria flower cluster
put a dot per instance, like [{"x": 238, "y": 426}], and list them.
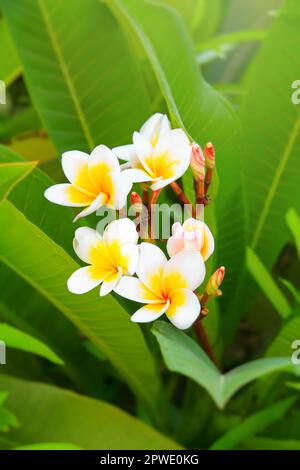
[{"x": 114, "y": 260}]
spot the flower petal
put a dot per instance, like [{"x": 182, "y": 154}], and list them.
[
  {"x": 184, "y": 308},
  {"x": 75, "y": 167},
  {"x": 85, "y": 240},
  {"x": 123, "y": 230},
  {"x": 98, "y": 202},
  {"x": 67, "y": 195},
  {"x": 144, "y": 151},
  {"x": 133, "y": 289},
  {"x": 137, "y": 176},
  {"x": 120, "y": 188},
  {"x": 130, "y": 258},
  {"x": 186, "y": 270},
  {"x": 150, "y": 267},
  {"x": 102, "y": 160},
  {"x": 125, "y": 152},
  {"x": 154, "y": 127},
  {"x": 85, "y": 279},
  {"x": 110, "y": 282},
  {"x": 174, "y": 245},
  {"x": 150, "y": 312}
]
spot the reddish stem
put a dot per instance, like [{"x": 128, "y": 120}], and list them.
[{"x": 182, "y": 197}]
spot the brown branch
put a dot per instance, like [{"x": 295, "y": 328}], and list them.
[{"x": 182, "y": 197}]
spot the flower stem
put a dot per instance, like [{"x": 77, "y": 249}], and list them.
[
  {"x": 182, "y": 197},
  {"x": 204, "y": 342},
  {"x": 151, "y": 212}
]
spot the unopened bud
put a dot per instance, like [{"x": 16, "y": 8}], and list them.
[
  {"x": 210, "y": 155},
  {"x": 197, "y": 163},
  {"x": 214, "y": 283},
  {"x": 136, "y": 202}
]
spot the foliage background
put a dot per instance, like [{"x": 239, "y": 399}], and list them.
[{"x": 80, "y": 73}]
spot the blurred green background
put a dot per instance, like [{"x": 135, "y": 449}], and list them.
[{"x": 83, "y": 72}]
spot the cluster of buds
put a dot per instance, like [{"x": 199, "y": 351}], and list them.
[
  {"x": 202, "y": 165},
  {"x": 214, "y": 283},
  {"x": 136, "y": 203}
]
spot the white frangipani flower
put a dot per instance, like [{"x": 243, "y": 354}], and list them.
[
  {"x": 158, "y": 154},
  {"x": 109, "y": 256},
  {"x": 165, "y": 286},
  {"x": 95, "y": 180},
  {"x": 192, "y": 235}
]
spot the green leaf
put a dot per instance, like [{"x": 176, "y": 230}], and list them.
[
  {"x": 10, "y": 67},
  {"x": 15, "y": 338},
  {"x": 291, "y": 288},
  {"x": 11, "y": 174},
  {"x": 46, "y": 267},
  {"x": 219, "y": 46},
  {"x": 7, "y": 419},
  {"x": 183, "y": 355},
  {"x": 282, "y": 344},
  {"x": 49, "y": 446},
  {"x": 86, "y": 87},
  {"x": 266, "y": 443},
  {"x": 252, "y": 425},
  {"x": 293, "y": 221},
  {"x": 265, "y": 281},
  {"x": 271, "y": 146},
  {"x": 76, "y": 419}
]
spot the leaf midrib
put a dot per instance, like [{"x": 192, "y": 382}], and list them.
[
  {"x": 275, "y": 183},
  {"x": 66, "y": 74}
]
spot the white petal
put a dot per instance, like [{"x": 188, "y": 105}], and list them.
[
  {"x": 137, "y": 176},
  {"x": 150, "y": 266},
  {"x": 150, "y": 312},
  {"x": 82, "y": 281},
  {"x": 67, "y": 195},
  {"x": 143, "y": 149},
  {"x": 184, "y": 308},
  {"x": 102, "y": 154},
  {"x": 110, "y": 283},
  {"x": 131, "y": 252},
  {"x": 121, "y": 188},
  {"x": 184, "y": 270},
  {"x": 174, "y": 246},
  {"x": 85, "y": 238},
  {"x": 98, "y": 202},
  {"x": 125, "y": 152},
  {"x": 133, "y": 289},
  {"x": 72, "y": 163},
  {"x": 155, "y": 127},
  {"x": 163, "y": 183},
  {"x": 123, "y": 230}
]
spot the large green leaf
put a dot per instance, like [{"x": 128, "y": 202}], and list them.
[
  {"x": 293, "y": 222},
  {"x": 266, "y": 443},
  {"x": 10, "y": 67},
  {"x": 17, "y": 339},
  {"x": 108, "y": 322},
  {"x": 46, "y": 267},
  {"x": 79, "y": 71},
  {"x": 51, "y": 415},
  {"x": 290, "y": 331},
  {"x": 183, "y": 355},
  {"x": 265, "y": 281},
  {"x": 252, "y": 425},
  {"x": 271, "y": 144},
  {"x": 11, "y": 174}
]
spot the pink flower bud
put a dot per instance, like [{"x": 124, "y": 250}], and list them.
[
  {"x": 136, "y": 201},
  {"x": 197, "y": 163},
  {"x": 192, "y": 235},
  {"x": 209, "y": 152},
  {"x": 215, "y": 281}
]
